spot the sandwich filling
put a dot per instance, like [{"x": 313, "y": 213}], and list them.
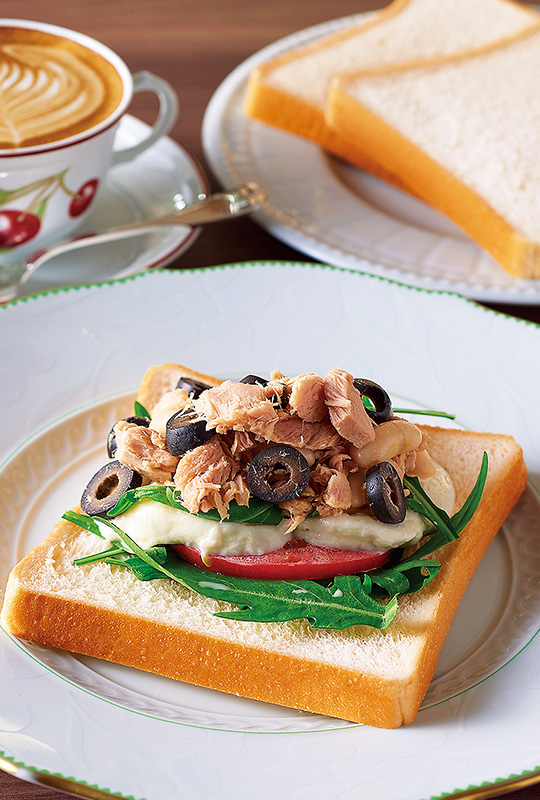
[
  {"x": 277, "y": 485},
  {"x": 150, "y": 523},
  {"x": 329, "y": 453}
]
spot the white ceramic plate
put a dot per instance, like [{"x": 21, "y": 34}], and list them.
[
  {"x": 135, "y": 191},
  {"x": 338, "y": 214},
  {"x": 147, "y": 737}
]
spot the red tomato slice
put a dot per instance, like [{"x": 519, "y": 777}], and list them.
[{"x": 297, "y": 560}]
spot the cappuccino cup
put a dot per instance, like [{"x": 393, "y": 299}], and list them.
[{"x": 63, "y": 97}]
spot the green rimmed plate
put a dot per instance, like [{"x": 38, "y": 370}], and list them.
[{"x": 72, "y": 360}]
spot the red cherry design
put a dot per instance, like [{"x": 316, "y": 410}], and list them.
[
  {"x": 83, "y": 198},
  {"x": 17, "y": 227}
]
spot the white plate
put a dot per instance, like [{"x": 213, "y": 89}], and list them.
[
  {"x": 147, "y": 737},
  {"x": 337, "y": 214},
  {"x": 135, "y": 191}
]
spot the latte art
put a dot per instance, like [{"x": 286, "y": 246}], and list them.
[{"x": 50, "y": 90}]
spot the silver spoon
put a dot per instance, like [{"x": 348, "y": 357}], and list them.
[{"x": 213, "y": 208}]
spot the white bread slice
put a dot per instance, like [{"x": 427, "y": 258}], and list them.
[
  {"x": 290, "y": 91},
  {"x": 163, "y": 378},
  {"x": 462, "y": 134},
  {"x": 360, "y": 674}
]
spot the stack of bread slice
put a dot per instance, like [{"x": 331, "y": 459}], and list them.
[{"x": 435, "y": 96}]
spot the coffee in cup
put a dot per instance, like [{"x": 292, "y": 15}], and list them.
[
  {"x": 62, "y": 98},
  {"x": 52, "y": 87}
]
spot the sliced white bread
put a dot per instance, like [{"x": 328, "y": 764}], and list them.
[
  {"x": 290, "y": 91},
  {"x": 463, "y": 134},
  {"x": 361, "y": 674},
  {"x": 163, "y": 378}
]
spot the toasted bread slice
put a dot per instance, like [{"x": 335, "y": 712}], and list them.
[{"x": 378, "y": 677}]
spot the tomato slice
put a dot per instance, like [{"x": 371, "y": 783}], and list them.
[{"x": 297, "y": 560}]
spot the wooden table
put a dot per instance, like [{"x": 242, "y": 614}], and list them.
[{"x": 194, "y": 44}]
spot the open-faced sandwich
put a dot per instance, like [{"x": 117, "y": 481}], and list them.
[{"x": 293, "y": 540}]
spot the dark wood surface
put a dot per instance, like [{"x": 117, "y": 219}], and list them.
[{"x": 194, "y": 44}]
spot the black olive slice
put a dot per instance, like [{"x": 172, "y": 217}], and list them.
[
  {"x": 107, "y": 486},
  {"x": 111, "y": 438},
  {"x": 278, "y": 473},
  {"x": 385, "y": 493},
  {"x": 254, "y": 380},
  {"x": 186, "y": 430},
  {"x": 192, "y": 386},
  {"x": 380, "y": 399}
]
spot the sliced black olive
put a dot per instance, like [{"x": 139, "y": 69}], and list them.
[
  {"x": 385, "y": 493},
  {"x": 111, "y": 438},
  {"x": 107, "y": 486},
  {"x": 380, "y": 399},
  {"x": 192, "y": 386},
  {"x": 186, "y": 430},
  {"x": 278, "y": 473},
  {"x": 254, "y": 380}
]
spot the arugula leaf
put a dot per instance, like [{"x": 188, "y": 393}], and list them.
[
  {"x": 466, "y": 512},
  {"x": 258, "y": 511},
  {"x": 88, "y": 523},
  {"x": 419, "y": 501},
  {"x": 105, "y": 555},
  {"x": 427, "y": 412},
  {"x": 140, "y": 410},
  {"x": 447, "y": 528},
  {"x": 335, "y": 607},
  {"x": 406, "y": 577}
]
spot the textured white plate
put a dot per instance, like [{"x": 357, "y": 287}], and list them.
[
  {"x": 146, "y": 187},
  {"x": 147, "y": 737},
  {"x": 338, "y": 214}
]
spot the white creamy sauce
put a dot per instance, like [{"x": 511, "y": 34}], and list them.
[{"x": 150, "y": 523}]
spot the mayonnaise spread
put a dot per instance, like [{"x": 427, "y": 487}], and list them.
[{"x": 149, "y": 523}]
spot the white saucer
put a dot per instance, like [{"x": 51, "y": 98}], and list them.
[{"x": 138, "y": 190}]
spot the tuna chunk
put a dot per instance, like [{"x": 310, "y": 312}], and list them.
[
  {"x": 207, "y": 478},
  {"x": 297, "y": 433},
  {"x": 338, "y": 492},
  {"x": 347, "y": 412},
  {"x": 246, "y": 407},
  {"x": 237, "y": 489},
  {"x": 237, "y": 407},
  {"x": 144, "y": 451},
  {"x": 298, "y": 509},
  {"x": 306, "y": 397},
  {"x": 242, "y": 444}
]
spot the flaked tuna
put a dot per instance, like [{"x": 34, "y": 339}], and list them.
[
  {"x": 325, "y": 419},
  {"x": 201, "y": 474},
  {"x": 346, "y": 408},
  {"x": 143, "y": 450},
  {"x": 338, "y": 494},
  {"x": 237, "y": 407},
  {"x": 297, "y": 433},
  {"x": 306, "y": 397},
  {"x": 208, "y": 477}
]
